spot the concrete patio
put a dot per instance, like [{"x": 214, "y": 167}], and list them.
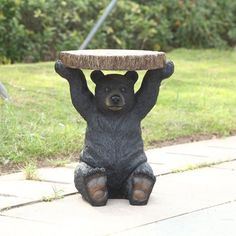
[{"x": 195, "y": 194}]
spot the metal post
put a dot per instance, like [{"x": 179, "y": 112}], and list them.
[
  {"x": 98, "y": 24},
  {"x": 3, "y": 92}
]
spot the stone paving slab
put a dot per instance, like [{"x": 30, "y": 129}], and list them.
[
  {"x": 13, "y": 176},
  {"x": 196, "y": 191},
  {"x": 17, "y": 192},
  {"x": 32, "y": 189},
  {"x": 173, "y": 195},
  {"x": 207, "y": 149},
  {"x": 163, "y": 160},
  {"x": 10, "y": 226},
  {"x": 200, "y": 153},
  {"x": 227, "y": 165},
  {"x": 7, "y": 201},
  {"x": 167, "y": 159},
  {"x": 60, "y": 175},
  {"x": 217, "y": 221},
  {"x": 163, "y": 163},
  {"x": 226, "y": 143}
]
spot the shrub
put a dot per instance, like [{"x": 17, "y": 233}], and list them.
[{"x": 36, "y": 30}]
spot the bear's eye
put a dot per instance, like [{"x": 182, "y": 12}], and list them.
[
  {"x": 107, "y": 89},
  {"x": 123, "y": 89}
]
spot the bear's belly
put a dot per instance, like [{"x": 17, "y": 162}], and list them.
[{"x": 120, "y": 153}]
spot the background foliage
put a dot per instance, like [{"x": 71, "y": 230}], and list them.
[{"x": 36, "y": 30}]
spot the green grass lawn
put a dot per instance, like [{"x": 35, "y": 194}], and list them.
[{"x": 40, "y": 122}]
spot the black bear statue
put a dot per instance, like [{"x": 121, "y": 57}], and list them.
[{"x": 113, "y": 163}]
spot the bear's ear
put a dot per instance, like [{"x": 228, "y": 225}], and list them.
[
  {"x": 132, "y": 75},
  {"x": 96, "y": 76}
]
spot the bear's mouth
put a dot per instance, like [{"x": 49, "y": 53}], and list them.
[{"x": 115, "y": 108}]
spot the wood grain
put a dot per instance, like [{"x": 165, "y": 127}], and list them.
[{"x": 113, "y": 59}]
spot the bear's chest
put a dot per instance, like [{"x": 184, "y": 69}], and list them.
[
  {"x": 115, "y": 135},
  {"x": 115, "y": 126}
]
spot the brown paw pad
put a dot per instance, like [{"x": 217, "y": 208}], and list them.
[
  {"x": 139, "y": 195},
  {"x": 142, "y": 187},
  {"x": 97, "y": 189}
]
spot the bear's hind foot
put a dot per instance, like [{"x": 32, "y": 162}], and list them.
[
  {"x": 97, "y": 189},
  {"x": 141, "y": 189}
]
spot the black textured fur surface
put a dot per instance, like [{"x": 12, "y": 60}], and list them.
[{"x": 113, "y": 142}]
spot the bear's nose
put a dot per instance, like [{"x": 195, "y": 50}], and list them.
[{"x": 115, "y": 99}]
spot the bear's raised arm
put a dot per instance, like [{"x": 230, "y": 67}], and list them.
[
  {"x": 147, "y": 95},
  {"x": 81, "y": 97}
]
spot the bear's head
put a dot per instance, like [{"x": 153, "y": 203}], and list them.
[{"x": 114, "y": 92}]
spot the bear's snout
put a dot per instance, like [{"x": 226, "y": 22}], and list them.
[{"x": 115, "y": 102}]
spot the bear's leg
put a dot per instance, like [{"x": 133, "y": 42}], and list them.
[
  {"x": 91, "y": 183},
  {"x": 140, "y": 184}
]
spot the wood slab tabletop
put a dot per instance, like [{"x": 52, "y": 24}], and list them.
[{"x": 113, "y": 59}]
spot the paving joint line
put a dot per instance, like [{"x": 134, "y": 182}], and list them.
[
  {"x": 52, "y": 181},
  {"x": 26, "y": 219},
  {"x": 7, "y": 195},
  {"x": 227, "y": 148},
  {"x": 186, "y": 154},
  {"x": 196, "y": 167},
  {"x": 4, "y": 209},
  {"x": 176, "y": 216}
]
